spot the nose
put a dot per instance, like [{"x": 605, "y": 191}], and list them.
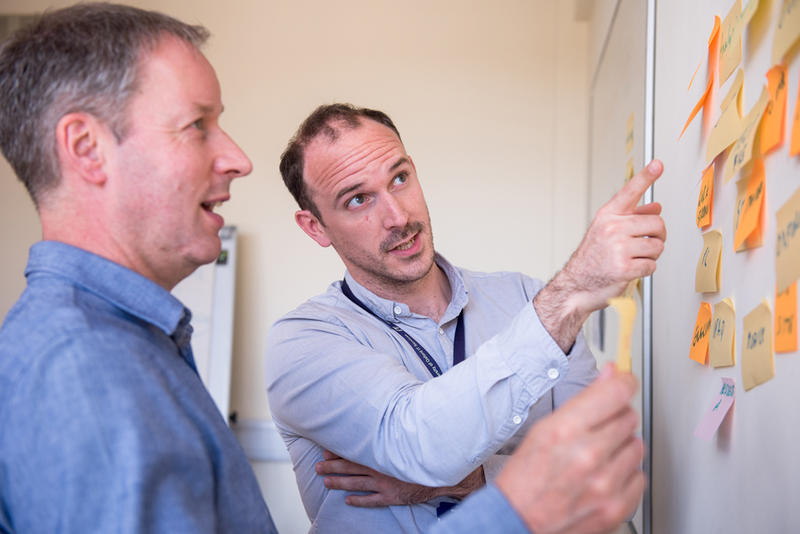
[
  {"x": 231, "y": 160},
  {"x": 395, "y": 215}
]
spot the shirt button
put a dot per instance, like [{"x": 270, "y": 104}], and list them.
[
  {"x": 398, "y": 310},
  {"x": 516, "y": 419},
  {"x": 552, "y": 373},
  {"x": 441, "y": 331}
]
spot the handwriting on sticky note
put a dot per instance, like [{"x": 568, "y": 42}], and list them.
[
  {"x": 794, "y": 148},
  {"x": 786, "y": 320},
  {"x": 722, "y": 345},
  {"x": 774, "y": 120},
  {"x": 787, "y": 31},
  {"x": 707, "y": 273},
  {"x": 742, "y": 151},
  {"x": 705, "y": 201},
  {"x": 626, "y": 311},
  {"x": 758, "y": 361},
  {"x": 749, "y": 211},
  {"x": 719, "y": 408},
  {"x": 699, "y": 348},
  {"x": 787, "y": 243},
  {"x": 730, "y": 44}
]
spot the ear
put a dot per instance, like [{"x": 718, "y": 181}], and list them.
[
  {"x": 312, "y": 226},
  {"x": 80, "y": 141}
]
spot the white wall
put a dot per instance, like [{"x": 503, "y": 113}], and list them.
[{"x": 490, "y": 98}]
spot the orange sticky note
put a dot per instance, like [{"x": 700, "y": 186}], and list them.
[
  {"x": 774, "y": 119},
  {"x": 713, "y": 60},
  {"x": 750, "y": 217},
  {"x": 699, "y": 350},
  {"x": 705, "y": 202},
  {"x": 794, "y": 149},
  {"x": 786, "y": 320}
]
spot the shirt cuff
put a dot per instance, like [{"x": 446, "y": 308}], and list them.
[{"x": 484, "y": 511}]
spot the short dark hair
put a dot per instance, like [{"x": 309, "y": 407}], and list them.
[
  {"x": 321, "y": 122},
  {"x": 80, "y": 58}
]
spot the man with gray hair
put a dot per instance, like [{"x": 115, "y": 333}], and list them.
[{"x": 110, "y": 119}]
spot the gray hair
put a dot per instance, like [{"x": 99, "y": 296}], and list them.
[{"x": 82, "y": 58}]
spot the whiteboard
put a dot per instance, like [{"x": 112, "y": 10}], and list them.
[
  {"x": 209, "y": 294},
  {"x": 620, "y": 134},
  {"x": 747, "y": 479}
]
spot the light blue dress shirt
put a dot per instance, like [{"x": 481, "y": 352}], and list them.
[
  {"x": 105, "y": 425},
  {"x": 340, "y": 379}
]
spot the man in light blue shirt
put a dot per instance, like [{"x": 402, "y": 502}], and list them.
[
  {"x": 368, "y": 370},
  {"x": 110, "y": 119}
]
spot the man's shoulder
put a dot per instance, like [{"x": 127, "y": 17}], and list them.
[
  {"x": 328, "y": 306},
  {"x": 500, "y": 280},
  {"x": 61, "y": 326}
]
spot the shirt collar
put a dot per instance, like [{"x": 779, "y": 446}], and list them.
[
  {"x": 393, "y": 311},
  {"x": 122, "y": 287}
]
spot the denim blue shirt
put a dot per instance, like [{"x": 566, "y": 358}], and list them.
[
  {"x": 105, "y": 424},
  {"x": 340, "y": 379}
]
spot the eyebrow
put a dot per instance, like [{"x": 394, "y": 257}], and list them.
[
  {"x": 399, "y": 162},
  {"x": 348, "y": 190}
]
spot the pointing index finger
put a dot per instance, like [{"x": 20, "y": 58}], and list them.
[{"x": 628, "y": 197}]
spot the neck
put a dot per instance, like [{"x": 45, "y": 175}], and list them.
[{"x": 428, "y": 296}]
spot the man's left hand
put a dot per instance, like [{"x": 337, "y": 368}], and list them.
[{"x": 383, "y": 490}]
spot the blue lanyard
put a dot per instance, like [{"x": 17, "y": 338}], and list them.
[{"x": 430, "y": 363}]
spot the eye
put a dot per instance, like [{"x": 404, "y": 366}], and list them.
[
  {"x": 400, "y": 179},
  {"x": 357, "y": 201},
  {"x": 199, "y": 124}
]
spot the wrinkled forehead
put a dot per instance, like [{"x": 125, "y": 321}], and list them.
[{"x": 343, "y": 150}]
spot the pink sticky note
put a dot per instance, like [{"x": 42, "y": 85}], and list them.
[{"x": 713, "y": 418}]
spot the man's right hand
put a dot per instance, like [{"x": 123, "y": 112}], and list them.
[
  {"x": 622, "y": 244},
  {"x": 578, "y": 470}
]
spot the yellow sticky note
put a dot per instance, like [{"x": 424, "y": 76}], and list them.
[
  {"x": 626, "y": 311},
  {"x": 706, "y": 278},
  {"x": 749, "y": 218},
  {"x": 629, "y": 135},
  {"x": 787, "y": 243},
  {"x": 788, "y": 29},
  {"x": 786, "y": 320},
  {"x": 629, "y": 170},
  {"x": 713, "y": 59},
  {"x": 735, "y": 91},
  {"x": 774, "y": 119},
  {"x": 729, "y": 125},
  {"x": 758, "y": 360},
  {"x": 699, "y": 348},
  {"x": 794, "y": 149},
  {"x": 721, "y": 346},
  {"x": 730, "y": 44},
  {"x": 705, "y": 201},
  {"x": 742, "y": 151},
  {"x": 748, "y": 12}
]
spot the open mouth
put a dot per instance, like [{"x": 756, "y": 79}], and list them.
[
  {"x": 407, "y": 244},
  {"x": 210, "y": 206}
]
